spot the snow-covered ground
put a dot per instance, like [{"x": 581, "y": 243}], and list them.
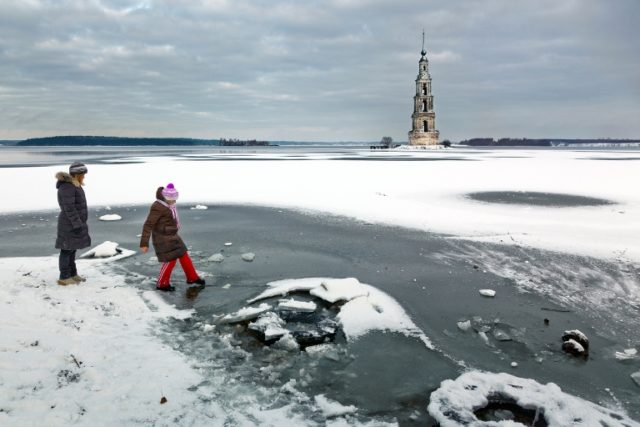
[
  {"x": 72, "y": 355},
  {"x": 424, "y": 190}
]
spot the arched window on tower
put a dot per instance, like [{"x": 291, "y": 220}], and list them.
[
  {"x": 424, "y": 88},
  {"x": 424, "y": 105},
  {"x": 425, "y": 125}
]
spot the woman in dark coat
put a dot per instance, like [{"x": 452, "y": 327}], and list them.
[
  {"x": 73, "y": 232},
  {"x": 162, "y": 226}
]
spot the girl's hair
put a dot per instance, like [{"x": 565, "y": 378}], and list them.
[{"x": 159, "y": 195}]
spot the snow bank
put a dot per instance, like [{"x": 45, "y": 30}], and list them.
[
  {"x": 432, "y": 196},
  {"x": 85, "y": 354},
  {"x": 454, "y": 403}
]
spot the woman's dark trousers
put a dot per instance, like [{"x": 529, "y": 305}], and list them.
[{"x": 67, "y": 264}]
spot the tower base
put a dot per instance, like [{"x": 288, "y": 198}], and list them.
[{"x": 423, "y": 138}]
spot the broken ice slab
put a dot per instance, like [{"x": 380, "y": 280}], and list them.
[
  {"x": 269, "y": 327},
  {"x": 296, "y": 305},
  {"x": 501, "y": 335},
  {"x": 627, "y": 354},
  {"x": 487, "y": 293},
  {"x": 333, "y": 290},
  {"x": 216, "y": 258},
  {"x": 108, "y": 251},
  {"x": 110, "y": 217},
  {"x": 249, "y": 256},
  {"x": 464, "y": 325},
  {"x": 246, "y": 313}
]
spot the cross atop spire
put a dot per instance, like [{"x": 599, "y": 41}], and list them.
[{"x": 423, "y": 52}]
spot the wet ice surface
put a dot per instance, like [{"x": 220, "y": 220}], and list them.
[
  {"x": 536, "y": 199},
  {"x": 435, "y": 279}
]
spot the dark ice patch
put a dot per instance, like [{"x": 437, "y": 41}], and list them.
[{"x": 532, "y": 198}]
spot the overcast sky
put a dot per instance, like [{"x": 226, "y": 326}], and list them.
[{"x": 335, "y": 70}]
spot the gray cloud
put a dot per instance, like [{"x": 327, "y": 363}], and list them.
[{"x": 331, "y": 70}]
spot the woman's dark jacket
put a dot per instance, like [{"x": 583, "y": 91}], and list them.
[
  {"x": 73, "y": 232},
  {"x": 163, "y": 229}
]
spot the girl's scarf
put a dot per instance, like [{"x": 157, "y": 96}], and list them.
[{"x": 173, "y": 209}]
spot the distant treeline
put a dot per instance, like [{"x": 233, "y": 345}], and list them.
[
  {"x": 545, "y": 142},
  {"x": 113, "y": 141},
  {"x": 242, "y": 143}
]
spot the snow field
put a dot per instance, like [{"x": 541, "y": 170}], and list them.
[{"x": 426, "y": 195}]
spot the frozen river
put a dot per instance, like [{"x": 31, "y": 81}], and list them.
[{"x": 434, "y": 276}]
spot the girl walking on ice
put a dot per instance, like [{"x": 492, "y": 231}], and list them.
[{"x": 162, "y": 226}]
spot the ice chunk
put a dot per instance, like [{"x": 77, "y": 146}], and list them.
[
  {"x": 331, "y": 408},
  {"x": 283, "y": 287},
  {"x": 328, "y": 351},
  {"x": 269, "y": 325},
  {"x": 103, "y": 250},
  {"x": 514, "y": 364},
  {"x": 573, "y": 347},
  {"x": 199, "y": 208},
  {"x": 487, "y": 293},
  {"x": 228, "y": 243},
  {"x": 110, "y": 217},
  {"x": 484, "y": 337},
  {"x": 249, "y": 256},
  {"x": 501, "y": 335},
  {"x": 573, "y": 337},
  {"x": 108, "y": 250},
  {"x": 627, "y": 354},
  {"x": 464, "y": 325},
  {"x": 377, "y": 311},
  {"x": 295, "y": 305},
  {"x": 246, "y": 313},
  {"x": 333, "y": 290},
  {"x": 287, "y": 342},
  {"x": 456, "y": 401},
  {"x": 216, "y": 258}
]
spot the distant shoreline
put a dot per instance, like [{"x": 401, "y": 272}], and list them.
[{"x": 111, "y": 141}]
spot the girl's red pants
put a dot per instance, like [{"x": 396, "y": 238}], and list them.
[{"x": 164, "y": 279}]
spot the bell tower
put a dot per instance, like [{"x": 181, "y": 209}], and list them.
[{"x": 423, "y": 131}]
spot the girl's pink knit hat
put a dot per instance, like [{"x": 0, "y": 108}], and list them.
[{"x": 169, "y": 192}]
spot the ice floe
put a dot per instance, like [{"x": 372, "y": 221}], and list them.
[
  {"x": 110, "y": 217},
  {"x": 108, "y": 251},
  {"x": 487, "y": 293},
  {"x": 199, "y": 208},
  {"x": 339, "y": 290},
  {"x": 216, "y": 258},
  {"x": 249, "y": 256},
  {"x": 627, "y": 354},
  {"x": 296, "y": 305},
  {"x": 456, "y": 402},
  {"x": 331, "y": 408},
  {"x": 246, "y": 313}
]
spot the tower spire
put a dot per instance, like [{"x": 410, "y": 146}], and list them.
[{"x": 423, "y": 52}]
